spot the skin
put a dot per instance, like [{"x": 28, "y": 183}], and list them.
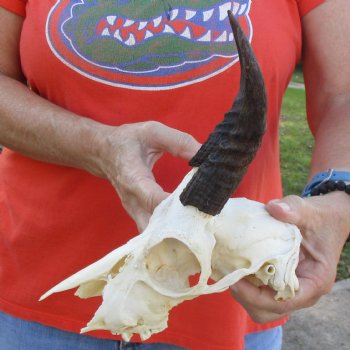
[
  {"x": 324, "y": 220},
  {"x": 52, "y": 134}
]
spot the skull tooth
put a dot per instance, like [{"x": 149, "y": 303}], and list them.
[
  {"x": 126, "y": 337},
  {"x": 145, "y": 335}
]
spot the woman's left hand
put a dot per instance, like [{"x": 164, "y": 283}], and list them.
[{"x": 324, "y": 222}]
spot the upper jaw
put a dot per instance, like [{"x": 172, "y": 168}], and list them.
[{"x": 199, "y": 25}]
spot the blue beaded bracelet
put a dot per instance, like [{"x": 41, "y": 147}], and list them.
[{"x": 327, "y": 177}]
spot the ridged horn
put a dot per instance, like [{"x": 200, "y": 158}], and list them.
[{"x": 223, "y": 159}]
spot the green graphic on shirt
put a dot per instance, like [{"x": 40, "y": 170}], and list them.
[
  {"x": 146, "y": 44},
  {"x": 143, "y": 36}
]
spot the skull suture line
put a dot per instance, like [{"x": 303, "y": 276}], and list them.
[{"x": 219, "y": 238}]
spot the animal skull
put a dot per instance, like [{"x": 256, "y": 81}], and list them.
[{"x": 141, "y": 281}]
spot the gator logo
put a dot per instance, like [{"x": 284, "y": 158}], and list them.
[{"x": 146, "y": 44}]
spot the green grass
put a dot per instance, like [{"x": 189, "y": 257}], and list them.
[{"x": 296, "y": 144}]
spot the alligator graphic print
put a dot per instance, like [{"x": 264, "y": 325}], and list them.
[{"x": 146, "y": 44}]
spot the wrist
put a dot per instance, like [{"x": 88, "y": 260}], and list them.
[
  {"x": 95, "y": 138},
  {"x": 113, "y": 148},
  {"x": 336, "y": 184},
  {"x": 328, "y": 181}
]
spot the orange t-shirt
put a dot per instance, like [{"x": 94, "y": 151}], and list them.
[{"x": 123, "y": 62}]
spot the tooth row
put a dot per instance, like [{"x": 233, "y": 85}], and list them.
[
  {"x": 128, "y": 23},
  {"x": 224, "y": 37},
  {"x": 207, "y": 15},
  {"x": 235, "y": 7},
  {"x": 207, "y": 37}
]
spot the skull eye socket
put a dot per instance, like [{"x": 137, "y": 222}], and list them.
[{"x": 170, "y": 264}]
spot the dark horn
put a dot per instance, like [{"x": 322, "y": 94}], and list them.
[{"x": 223, "y": 159}]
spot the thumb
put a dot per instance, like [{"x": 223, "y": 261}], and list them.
[{"x": 290, "y": 209}]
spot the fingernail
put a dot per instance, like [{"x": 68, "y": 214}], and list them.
[{"x": 281, "y": 204}]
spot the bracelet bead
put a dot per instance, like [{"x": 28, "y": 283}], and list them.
[
  {"x": 340, "y": 185},
  {"x": 330, "y": 186},
  {"x": 331, "y": 178},
  {"x": 315, "y": 192},
  {"x": 323, "y": 188}
]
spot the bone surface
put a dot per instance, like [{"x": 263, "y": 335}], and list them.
[{"x": 141, "y": 281}]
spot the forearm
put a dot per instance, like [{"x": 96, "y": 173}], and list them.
[
  {"x": 331, "y": 151},
  {"x": 41, "y": 130},
  {"x": 332, "y": 141},
  {"x": 124, "y": 155}
]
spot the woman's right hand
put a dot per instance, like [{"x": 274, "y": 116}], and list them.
[
  {"x": 126, "y": 156},
  {"x": 38, "y": 129}
]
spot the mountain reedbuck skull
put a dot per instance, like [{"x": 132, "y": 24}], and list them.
[{"x": 198, "y": 230}]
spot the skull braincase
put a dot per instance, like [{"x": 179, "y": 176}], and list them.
[{"x": 141, "y": 281}]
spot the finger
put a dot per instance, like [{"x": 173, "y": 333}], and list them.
[
  {"x": 316, "y": 278},
  {"x": 302, "y": 255},
  {"x": 290, "y": 209},
  {"x": 140, "y": 206},
  {"x": 142, "y": 219},
  {"x": 146, "y": 194},
  {"x": 139, "y": 195},
  {"x": 178, "y": 143},
  {"x": 149, "y": 194},
  {"x": 307, "y": 295},
  {"x": 259, "y": 302},
  {"x": 248, "y": 294}
]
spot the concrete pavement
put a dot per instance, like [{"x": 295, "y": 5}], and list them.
[{"x": 325, "y": 326}]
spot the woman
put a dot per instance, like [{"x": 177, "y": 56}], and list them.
[{"x": 93, "y": 93}]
